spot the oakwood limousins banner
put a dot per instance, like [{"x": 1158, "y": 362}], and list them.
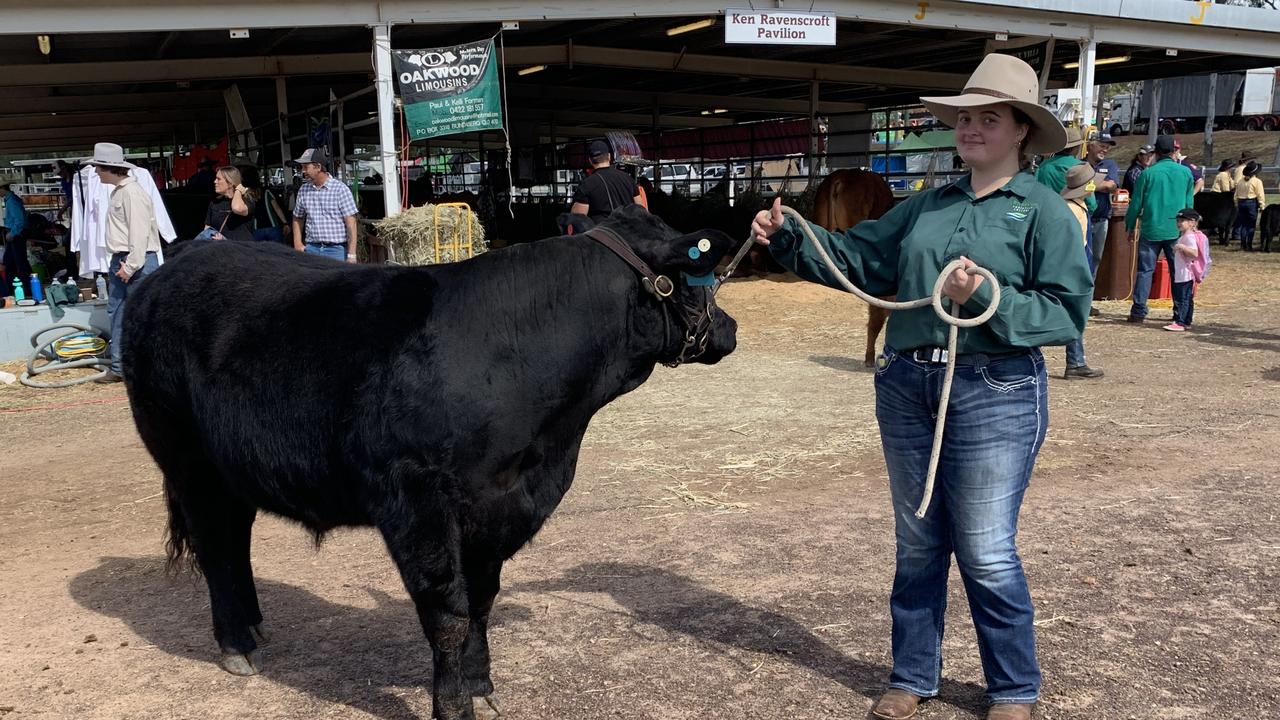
[{"x": 449, "y": 90}]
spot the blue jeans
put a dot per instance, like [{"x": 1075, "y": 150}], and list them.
[
  {"x": 1184, "y": 304},
  {"x": 337, "y": 252},
  {"x": 1075, "y": 353},
  {"x": 1099, "y": 244},
  {"x": 1147, "y": 252},
  {"x": 1246, "y": 222},
  {"x": 117, "y": 294},
  {"x": 269, "y": 234},
  {"x": 995, "y": 426}
]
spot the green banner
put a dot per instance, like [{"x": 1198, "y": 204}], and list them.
[{"x": 449, "y": 90}]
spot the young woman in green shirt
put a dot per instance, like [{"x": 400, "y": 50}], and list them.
[{"x": 1002, "y": 219}]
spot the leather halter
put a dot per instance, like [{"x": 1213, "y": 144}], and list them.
[
  {"x": 697, "y": 325},
  {"x": 656, "y": 284}
]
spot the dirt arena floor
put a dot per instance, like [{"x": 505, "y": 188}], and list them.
[{"x": 726, "y": 550}]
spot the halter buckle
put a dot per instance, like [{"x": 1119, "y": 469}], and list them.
[{"x": 660, "y": 285}]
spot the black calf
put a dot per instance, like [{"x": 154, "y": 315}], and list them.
[{"x": 443, "y": 405}]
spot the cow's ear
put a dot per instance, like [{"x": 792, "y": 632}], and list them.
[{"x": 699, "y": 252}]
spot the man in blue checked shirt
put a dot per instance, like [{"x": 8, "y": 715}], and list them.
[{"x": 325, "y": 210}]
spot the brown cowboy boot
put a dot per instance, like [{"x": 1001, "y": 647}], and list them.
[
  {"x": 895, "y": 704},
  {"x": 1009, "y": 711}
]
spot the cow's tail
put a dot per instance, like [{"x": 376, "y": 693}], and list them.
[{"x": 177, "y": 546}]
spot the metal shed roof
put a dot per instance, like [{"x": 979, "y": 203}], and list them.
[{"x": 607, "y": 65}]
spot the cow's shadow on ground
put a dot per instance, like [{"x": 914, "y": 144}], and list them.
[
  {"x": 679, "y": 605},
  {"x": 352, "y": 655},
  {"x": 367, "y": 657}
]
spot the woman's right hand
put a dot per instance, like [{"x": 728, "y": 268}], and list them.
[{"x": 767, "y": 222}]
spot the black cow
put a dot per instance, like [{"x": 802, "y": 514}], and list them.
[
  {"x": 443, "y": 405},
  {"x": 1268, "y": 226},
  {"x": 1218, "y": 214}
]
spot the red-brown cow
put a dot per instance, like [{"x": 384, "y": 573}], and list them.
[{"x": 844, "y": 199}]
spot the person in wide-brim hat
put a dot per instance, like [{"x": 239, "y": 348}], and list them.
[
  {"x": 999, "y": 217},
  {"x": 1005, "y": 79},
  {"x": 1079, "y": 182},
  {"x": 109, "y": 155}
]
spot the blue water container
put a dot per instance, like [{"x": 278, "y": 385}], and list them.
[{"x": 37, "y": 292}]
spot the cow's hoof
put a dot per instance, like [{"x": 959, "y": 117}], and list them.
[
  {"x": 260, "y": 634},
  {"x": 242, "y": 664},
  {"x": 486, "y": 707}
]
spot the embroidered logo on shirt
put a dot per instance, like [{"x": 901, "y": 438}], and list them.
[{"x": 1019, "y": 211}]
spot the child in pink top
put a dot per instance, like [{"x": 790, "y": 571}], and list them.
[{"x": 1190, "y": 265}]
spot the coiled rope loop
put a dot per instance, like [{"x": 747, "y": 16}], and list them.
[{"x": 948, "y": 316}]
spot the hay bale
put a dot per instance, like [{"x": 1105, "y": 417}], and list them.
[{"x": 412, "y": 235}]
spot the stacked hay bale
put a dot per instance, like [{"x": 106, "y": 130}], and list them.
[{"x": 425, "y": 236}]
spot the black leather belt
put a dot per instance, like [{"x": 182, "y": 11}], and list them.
[{"x": 938, "y": 356}]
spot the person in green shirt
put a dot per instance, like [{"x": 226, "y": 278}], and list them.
[
  {"x": 1000, "y": 218},
  {"x": 1053, "y": 172},
  {"x": 1159, "y": 193}
]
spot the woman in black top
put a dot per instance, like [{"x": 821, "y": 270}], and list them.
[
  {"x": 270, "y": 219},
  {"x": 230, "y": 214}
]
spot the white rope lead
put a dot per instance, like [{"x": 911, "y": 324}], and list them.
[{"x": 949, "y": 318}]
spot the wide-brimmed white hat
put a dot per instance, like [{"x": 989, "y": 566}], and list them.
[
  {"x": 110, "y": 155},
  {"x": 1005, "y": 79}
]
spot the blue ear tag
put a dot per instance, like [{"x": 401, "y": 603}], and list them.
[
  {"x": 699, "y": 280},
  {"x": 694, "y": 253}
]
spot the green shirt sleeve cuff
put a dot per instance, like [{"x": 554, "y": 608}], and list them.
[
  {"x": 786, "y": 235},
  {"x": 980, "y": 300}
]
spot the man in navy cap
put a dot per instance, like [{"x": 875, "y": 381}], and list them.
[{"x": 607, "y": 189}]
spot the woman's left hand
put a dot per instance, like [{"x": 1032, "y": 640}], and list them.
[{"x": 960, "y": 285}]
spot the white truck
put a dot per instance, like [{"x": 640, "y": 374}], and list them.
[{"x": 1247, "y": 100}]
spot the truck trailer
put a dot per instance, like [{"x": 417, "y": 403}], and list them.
[{"x": 1247, "y": 100}]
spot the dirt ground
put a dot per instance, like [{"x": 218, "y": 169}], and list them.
[{"x": 726, "y": 550}]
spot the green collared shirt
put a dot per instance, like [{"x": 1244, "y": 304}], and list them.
[
  {"x": 1023, "y": 233},
  {"x": 1160, "y": 192},
  {"x": 1053, "y": 173}
]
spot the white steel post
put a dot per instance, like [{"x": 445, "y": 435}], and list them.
[
  {"x": 1088, "y": 55},
  {"x": 386, "y": 119}
]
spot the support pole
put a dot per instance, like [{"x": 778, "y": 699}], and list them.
[
  {"x": 1084, "y": 81},
  {"x": 1207, "y": 162},
  {"x": 342, "y": 142},
  {"x": 386, "y": 119},
  {"x": 282, "y": 111},
  {"x": 1153, "y": 118},
  {"x": 813, "y": 131}
]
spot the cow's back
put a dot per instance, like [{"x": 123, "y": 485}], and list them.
[
  {"x": 274, "y": 425},
  {"x": 847, "y": 197}
]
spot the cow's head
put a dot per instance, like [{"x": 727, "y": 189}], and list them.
[{"x": 698, "y": 330}]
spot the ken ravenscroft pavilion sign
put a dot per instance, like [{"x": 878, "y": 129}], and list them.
[{"x": 779, "y": 27}]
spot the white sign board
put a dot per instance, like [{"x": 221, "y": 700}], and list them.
[{"x": 779, "y": 27}]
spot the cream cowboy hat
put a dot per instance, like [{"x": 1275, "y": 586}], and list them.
[
  {"x": 110, "y": 155},
  {"x": 1005, "y": 79}
]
